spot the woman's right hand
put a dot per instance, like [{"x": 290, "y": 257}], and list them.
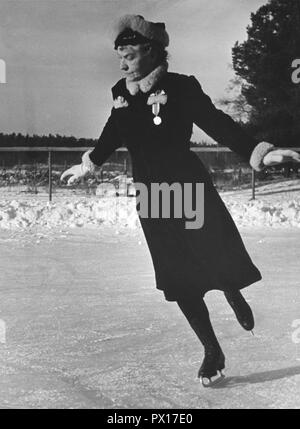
[{"x": 76, "y": 172}]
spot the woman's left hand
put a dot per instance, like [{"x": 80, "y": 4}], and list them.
[{"x": 279, "y": 156}]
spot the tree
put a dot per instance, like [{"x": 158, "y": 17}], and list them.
[
  {"x": 235, "y": 103},
  {"x": 264, "y": 63}
]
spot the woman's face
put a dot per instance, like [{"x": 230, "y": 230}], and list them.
[{"x": 136, "y": 61}]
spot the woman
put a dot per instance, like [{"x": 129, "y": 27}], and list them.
[{"x": 153, "y": 115}]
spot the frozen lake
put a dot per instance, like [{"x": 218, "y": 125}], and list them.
[{"x": 86, "y": 328}]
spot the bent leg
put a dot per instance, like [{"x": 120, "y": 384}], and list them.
[{"x": 241, "y": 309}]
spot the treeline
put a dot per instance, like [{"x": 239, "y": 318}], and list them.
[
  {"x": 56, "y": 140},
  {"x": 9, "y": 159}
]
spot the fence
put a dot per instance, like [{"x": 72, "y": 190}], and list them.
[{"x": 52, "y": 149}]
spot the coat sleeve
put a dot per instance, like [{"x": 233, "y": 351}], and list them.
[
  {"x": 223, "y": 129},
  {"x": 108, "y": 142}
]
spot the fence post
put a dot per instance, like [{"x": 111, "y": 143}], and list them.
[
  {"x": 125, "y": 165},
  {"x": 34, "y": 178},
  {"x": 253, "y": 184},
  {"x": 50, "y": 174}
]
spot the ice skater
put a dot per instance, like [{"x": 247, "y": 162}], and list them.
[{"x": 153, "y": 112}]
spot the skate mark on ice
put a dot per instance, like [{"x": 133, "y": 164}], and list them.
[
  {"x": 94, "y": 396},
  {"x": 114, "y": 337}
]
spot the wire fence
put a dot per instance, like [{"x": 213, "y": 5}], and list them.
[{"x": 44, "y": 173}]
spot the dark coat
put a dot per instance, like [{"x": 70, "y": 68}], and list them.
[{"x": 190, "y": 261}]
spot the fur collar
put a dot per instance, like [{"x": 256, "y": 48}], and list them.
[{"x": 148, "y": 81}]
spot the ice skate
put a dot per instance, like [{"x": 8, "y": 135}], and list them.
[
  {"x": 211, "y": 370},
  {"x": 241, "y": 309}
]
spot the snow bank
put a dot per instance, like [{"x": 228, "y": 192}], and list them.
[
  {"x": 68, "y": 213},
  {"x": 264, "y": 213},
  {"x": 120, "y": 211}
]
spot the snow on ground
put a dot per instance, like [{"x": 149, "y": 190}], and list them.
[{"x": 276, "y": 205}]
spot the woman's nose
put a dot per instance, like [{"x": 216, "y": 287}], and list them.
[{"x": 123, "y": 65}]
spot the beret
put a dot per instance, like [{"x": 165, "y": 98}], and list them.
[{"x": 136, "y": 29}]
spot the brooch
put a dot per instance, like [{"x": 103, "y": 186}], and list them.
[
  {"x": 120, "y": 102},
  {"x": 155, "y": 100}
]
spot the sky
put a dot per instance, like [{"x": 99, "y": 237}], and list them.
[{"x": 61, "y": 65}]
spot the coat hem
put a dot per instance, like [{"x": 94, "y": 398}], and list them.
[{"x": 173, "y": 297}]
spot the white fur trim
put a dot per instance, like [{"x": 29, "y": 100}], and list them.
[
  {"x": 258, "y": 154},
  {"x": 148, "y": 81},
  {"x": 87, "y": 163}
]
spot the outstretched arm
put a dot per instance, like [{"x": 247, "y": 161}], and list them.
[
  {"x": 108, "y": 142},
  {"x": 224, "y": 130}
]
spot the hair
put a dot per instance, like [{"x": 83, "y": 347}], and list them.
[
  {"x": 130, "y": 37},
  {"x": 161, "y": 53}
]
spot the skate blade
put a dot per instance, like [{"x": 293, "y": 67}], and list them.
[{"x": 212, "y": 381}]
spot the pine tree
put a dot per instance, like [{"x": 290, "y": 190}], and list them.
[{"x": 264, "y": 63}]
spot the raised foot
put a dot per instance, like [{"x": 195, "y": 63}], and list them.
[{"x": 241, "y": 309}]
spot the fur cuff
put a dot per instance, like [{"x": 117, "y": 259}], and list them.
[
  {"x": 258, "y": 154},
  {"x": 87, "y": 163}
]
